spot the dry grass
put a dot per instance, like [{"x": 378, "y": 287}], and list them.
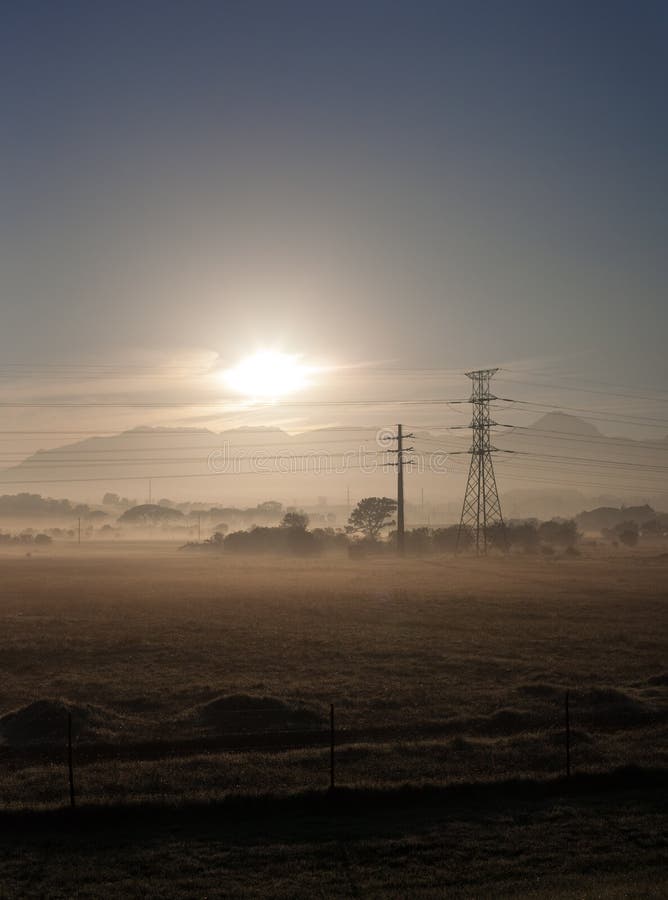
[
  {"x": 485, "y": 842},
  {"x": 441, "y": 671}
]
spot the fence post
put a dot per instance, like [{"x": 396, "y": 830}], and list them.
[
  {"x": 70, "y": 767},
  {"x": 331, "y": 746},
  {"x": 568, "y": 736}
]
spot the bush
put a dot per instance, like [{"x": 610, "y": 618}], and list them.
[
  {"x": 444, "y": 540},
  {"x": 559, "y": 532},
  {"x": 523, "y": 535},
  {"x": 366, "y": 547},
  {"x": 629, "y": 537},
  {"x": 327, "y": 540},
  {"x": 263, "y": 539},
  {"x": 419, "y": 541}
]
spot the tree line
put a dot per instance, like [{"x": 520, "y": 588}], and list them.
[{"x": 370, "y": 530}]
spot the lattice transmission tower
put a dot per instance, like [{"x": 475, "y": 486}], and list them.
[{"x": 482, "y": 508}]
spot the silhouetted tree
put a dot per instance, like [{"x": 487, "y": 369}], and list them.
[
  {"x": 628, "y": 533},
  {"x": 371, "y": 515},
  {"x": 270, "y": 508},
  {"x": 497, "y": 535},
  {"x": 445, "y": 539},
  {"x": 296, "y": 541},
  {"x": 419, "y": 541},
  {"x": 23, "y": 505},
  {"x": 296, "y": 520},
  {"x": 151, "y": 514},
  {"x": 560, "y": 533},
  {"x": 329, "y": 539},
  {"x": 523, "y": 535}
]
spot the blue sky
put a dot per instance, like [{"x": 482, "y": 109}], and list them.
[{"x": 410, "y": 183}]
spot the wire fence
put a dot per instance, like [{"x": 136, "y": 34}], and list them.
[{"x": 267, "y": 730}]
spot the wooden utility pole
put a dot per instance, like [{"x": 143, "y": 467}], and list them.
[
  {"x": 400, "y": 463},
  {"x": 401, "y": 537},
  {"x": 79, "y": 531}
]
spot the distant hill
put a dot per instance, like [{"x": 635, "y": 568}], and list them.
[
  {"x": 558, "y": 465},
  {"x": 562, "y": 423}
]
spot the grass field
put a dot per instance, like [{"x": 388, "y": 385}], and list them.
[
  {"x": 193, "y": 678},
  {"x": 585, "y": 840}
]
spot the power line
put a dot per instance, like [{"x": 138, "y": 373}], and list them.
[
  {"x": 622, "y": 418},
  {"x": 628, "y": 443},
  {"x": 527, "y": 476},
  {"x": 623, "y": 387},
  {"x": 51, "y": 404},
  {"x": 55, "y": 454},
  {"x": 316, "y": 455},
  {"x": 189, "y": 432},
  {"x": 566, "y": 465},
  {"x": 594, "y": 461},
  {"x": 177, "y": 475},
  {"x": 563, "y": 387}
]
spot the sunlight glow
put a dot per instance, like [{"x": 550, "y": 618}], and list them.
[{"x": 268, "y": 375}]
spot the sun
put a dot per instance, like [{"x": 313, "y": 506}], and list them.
[{"x": 267, "y": 375}]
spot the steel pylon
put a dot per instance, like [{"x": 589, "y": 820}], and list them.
[{"x": 481, "y": 511}]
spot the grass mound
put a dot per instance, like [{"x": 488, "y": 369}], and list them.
[
  {"x": 541, "y": 691},
  {"x": 245, "y": 712},
  {"x": 599, "y": 706},
  {"x": 505, "y": 721},
  {"x": 45, "y": 722},
  {"x": 609, "y": 706},
  {"x": 510, "y": 721}
]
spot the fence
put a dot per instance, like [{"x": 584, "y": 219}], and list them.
[{"x": 331, "y": 745}]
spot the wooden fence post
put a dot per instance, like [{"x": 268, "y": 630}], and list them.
[
  {"x": 331, "y": 746},
  {"x": 568, "y": 736},
  {"x": 70, "y": 767}
]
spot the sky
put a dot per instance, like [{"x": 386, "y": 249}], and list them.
[{"x": 371, "y": 185}]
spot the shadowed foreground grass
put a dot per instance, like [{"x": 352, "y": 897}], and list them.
[{"x": 597, "y": 836}]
